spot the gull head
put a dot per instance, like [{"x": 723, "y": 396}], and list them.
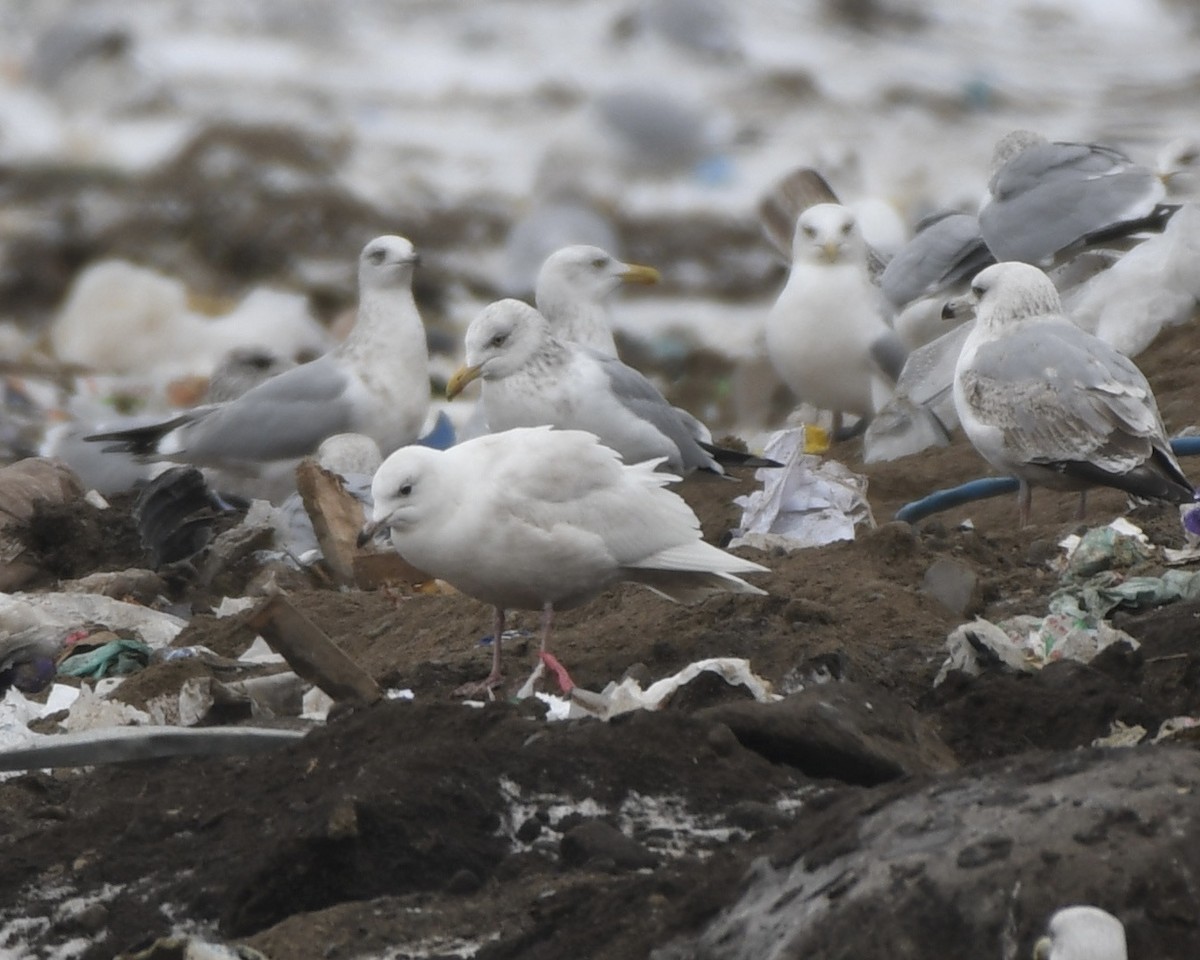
[
  {"x": 1082, "y": 933},
  {"x": 387, "y": 261},
  {"x": 405, "y": 490},
  {"x": 828, "y": 233},
  {"x": 583, "y": 273},
  {"x": 1006, "y": 294},
  {"x": 500, "y": 341}
]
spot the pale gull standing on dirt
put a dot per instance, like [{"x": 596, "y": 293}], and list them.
[
  {"x": 531, "y": 378},
  {"x": 1052, "y": 405},
  {"x": 376, "y": 383},
  {"x": 543, "y": 519},
  {"x": 573, "y": 290},
  {"x": 826, "y": 335},
  {"x": 1049, "y": 198},
  {"x": 1082, "y": 933}
]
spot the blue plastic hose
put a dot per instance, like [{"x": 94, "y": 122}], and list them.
[{"x": 987, "y": 487}]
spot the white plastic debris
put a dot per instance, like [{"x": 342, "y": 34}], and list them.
[
  {"x": 71, "y": 610},
  {"x": 94, "y": 712},
  {"x": 1025, "y": 644},
  {"x": 806, "y": 503},
  {"x": 627, "y": 694}
]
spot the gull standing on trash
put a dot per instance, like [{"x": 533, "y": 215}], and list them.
[
  {"x": 1082, "y": 933},
  {"x": 531, "y": 378},
  {"x": 1048, "y": 198},
  {"x": 544, "y": 519},
  {"x": 826, "y": 335},
  {"x": 573, "y": 289},
  {"x": 1052, "y": 405},
  {"x": 376, "y": 383}
]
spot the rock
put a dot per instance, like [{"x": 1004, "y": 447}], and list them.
[
  {"x": 844, "y": 731},
  {"x": 955, "y": 861},
  {"x": 595, "y": 840},
  {"x": 23, "y": 485},
  {"x": 954, "y": 585}
]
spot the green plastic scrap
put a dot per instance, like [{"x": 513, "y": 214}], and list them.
[
  {"x": 1107, "y": 591},
  {"x": 114, "y": 659},
  {"x": 1103, "y": 548}
]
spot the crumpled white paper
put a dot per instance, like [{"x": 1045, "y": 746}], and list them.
[{"x": 808, "y": 502}]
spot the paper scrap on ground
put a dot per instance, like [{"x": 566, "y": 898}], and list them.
[
  {"x": 807, "y": 503},
  {"x": 627, "y": 695}
]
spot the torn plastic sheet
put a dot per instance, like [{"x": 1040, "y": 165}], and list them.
[{"x": 627, "y": 695}]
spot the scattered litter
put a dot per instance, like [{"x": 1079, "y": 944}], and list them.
[
  {"x": 1121, "y": 735},
  {"x": 1119, "y": 545},
  {"x": 232, "y": 606},
  {"x": 114, "y": 658},
  {"x": 1171, "y": 729},
  {"x": 807, "y": 503},
  {"x": 92, "y": 711},
  {"x": 70, "y": 610},
  {"x": 627, "y": 694},
  {"x": 1025, "y": 643},
  {"x": 1108, "y": 590}
]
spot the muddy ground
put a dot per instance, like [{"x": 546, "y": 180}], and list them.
[{"x": 428, "y": 828}]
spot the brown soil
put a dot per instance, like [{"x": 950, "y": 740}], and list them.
[{"x": 430, "y": 823}]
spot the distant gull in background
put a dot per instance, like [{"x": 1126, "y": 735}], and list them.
[
  {"x": 826, "y": 335},
  {"x": 375, "y": 383},
  {"x": 115, "y": 471},
  {"x": 935, "y": 265},
  {"x": 1052, "y": 405},
  {"x": 560, "y": 215},
  {"x": 1082, "y": 933},
  {"x": 543, "y": 519},
  {"x": 1046, "y": 198},
  {"x": 122, "y": 318},
  {"x": 655, "y": 134},
  {"x": 573, "y": 289},
  {"x": 703, "y": 28},
  {"x": 1154, "y": 285},
  {"x": 1178, "y": 167},
  {"x": 531, "y": 378}
]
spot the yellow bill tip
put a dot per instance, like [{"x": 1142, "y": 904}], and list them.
[
  {"x": 462, "y": 376},
  {"x": 636, "y": 273}
]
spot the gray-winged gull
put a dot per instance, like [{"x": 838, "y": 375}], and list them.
[
  {"x": 376, "y": 383},
  {"x": 543, "y": 519},
  {"x": 573, "y": 288},
  {"x": 826, "y": 335},
  {"x": 1046, "y": 198},
  {"x": 936, "y": 264},
  {"x": 1082, "y": 933},
  {"x": 531, "y": 378},
  {"x": 1052, "y": 405}
]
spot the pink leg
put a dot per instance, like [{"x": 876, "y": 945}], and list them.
[
  {"x": 493, "y": 679},
  {"x": 1024, "y": 502},
  {"x": 1081, "y": 509},
  {"x": 565, "y": 683}
]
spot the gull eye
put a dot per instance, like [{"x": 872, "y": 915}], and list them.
[
  {"x": 404, "y": 490},
  {"x": 499, "y": 340},
  {"x": 978, "y": 289},
  {"x": 847, "y": 227},
  {"x": 809, "y": 231},
  {"x": 600, "y": 263},
  {"x": 376, "y": 256}
]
